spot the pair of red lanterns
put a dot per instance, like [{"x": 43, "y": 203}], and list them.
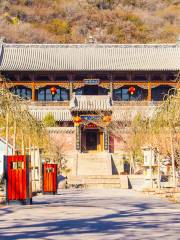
[{"x": 131, "y": 90}]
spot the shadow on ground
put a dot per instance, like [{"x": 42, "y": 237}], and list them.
[
  {"x": 104, "y": 224},
  {"x": 140, "y": 218}
]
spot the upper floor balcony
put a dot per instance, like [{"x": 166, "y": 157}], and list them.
[
  {"x": 119, "y": 94},
  {"x": 64, "y": 111},
  {"x": 123, "y": 112},
  {"x": 75, "y": 103}
]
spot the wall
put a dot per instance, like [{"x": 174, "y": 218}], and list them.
[
  {"x": 65, "y": 141},
  {"x": 118, "y": 144},
  {"x": 2, "y": 153}
]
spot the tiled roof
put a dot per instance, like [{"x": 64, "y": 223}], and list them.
[
  {"x": 119, "y": 113},
  {"x": 59, "y": 113},
  {"x": 97, "y": 57},
  {"x": 127, "y": 113},
  {"x": 91, "y": 103},
  {"x": 55, "y": 130}
]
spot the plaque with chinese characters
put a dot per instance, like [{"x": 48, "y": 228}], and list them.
[{"x": 91, "y": 81}]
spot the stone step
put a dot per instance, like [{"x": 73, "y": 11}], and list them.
[
  {"x": 96, "y": 177},
  {"x": 93, "y": 156},
  {"x": 84, "y": 169},
  {"x": 93, "y": 159},
  {"x": 88, "y": 164},
  {"x": 100, "y": 181},
  {"x": 97, "y": 181},
  {"x": 103, "y": 185}
]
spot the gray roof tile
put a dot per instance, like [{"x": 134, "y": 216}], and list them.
[
  {"x": 91, "y": 103},
  {"x": 97, "y": 57},
  {"x": 59, "y": 113}
]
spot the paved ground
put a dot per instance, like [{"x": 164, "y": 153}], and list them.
[{"x": 92, "y": 214}]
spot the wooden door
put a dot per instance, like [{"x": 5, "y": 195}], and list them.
[
  {"x": 101, "y": 141},
  {"x": 91, "y": 140}
]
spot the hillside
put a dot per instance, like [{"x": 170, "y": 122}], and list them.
[{"x": 72, "y": 21}]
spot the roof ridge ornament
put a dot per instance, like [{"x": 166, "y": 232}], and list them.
[
  {"x": 91, "y": 40},
  {"x": 1, "y": 49},
  {"x": 2, "y": 40}
]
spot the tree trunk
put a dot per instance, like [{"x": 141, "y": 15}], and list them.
[
  {"x": 22, "y": 142},
  {"x": 158, "y": 177},
  {"x": 14, "y": 137},
  {"x": 29, "y": 146},
  {"x": 7, "y": 132},
  {"x": 173, "y": 160},
  {"x": 151, "y": 171}
]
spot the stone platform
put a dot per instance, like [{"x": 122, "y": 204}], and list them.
[{"x": 100, "y": 181}]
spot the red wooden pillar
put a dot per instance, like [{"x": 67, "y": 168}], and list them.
[
  {"x": 33, "y": 92},
  {"x": 149, "y": 92},
  {"x": 149, "y": 98}
]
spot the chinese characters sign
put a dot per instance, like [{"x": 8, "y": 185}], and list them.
[{"x": 91, "y": 81}]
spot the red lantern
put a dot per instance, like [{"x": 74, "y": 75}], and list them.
[
  {"x": 53, "y": 90},
  {"x": 77, "y": 120},
  {"x": 107, "y": 119},
  {"x": 132, "y": 90}
]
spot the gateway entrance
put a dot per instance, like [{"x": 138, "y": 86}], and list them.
[{"x": 92, "y": 140}]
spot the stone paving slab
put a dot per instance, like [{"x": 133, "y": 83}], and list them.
[{"x": 100, "y": 214}]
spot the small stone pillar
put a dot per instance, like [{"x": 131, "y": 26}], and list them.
[{"x": 150, "y": 166}]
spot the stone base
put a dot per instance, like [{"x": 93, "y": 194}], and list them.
[{"x": 100, "y": 181}]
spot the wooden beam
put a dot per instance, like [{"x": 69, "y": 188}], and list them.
[
  {"x": 70, "y": 77},
  {"x": 33, "y": 88},
  {"x": 111, "y": 85},
  {"x": 130, "y": 76},
  {"x": 18, "y": 76},
  {"x": 51, "y": 77},
  {"x": 164, "y": 77},
  {"x": 33, "y": 92},
  {"x": 149, "y": 98}
]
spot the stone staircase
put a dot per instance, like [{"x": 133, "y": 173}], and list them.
[
  {"x": 94, "y": 170},
  {"x": 94, "y": 164}
]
